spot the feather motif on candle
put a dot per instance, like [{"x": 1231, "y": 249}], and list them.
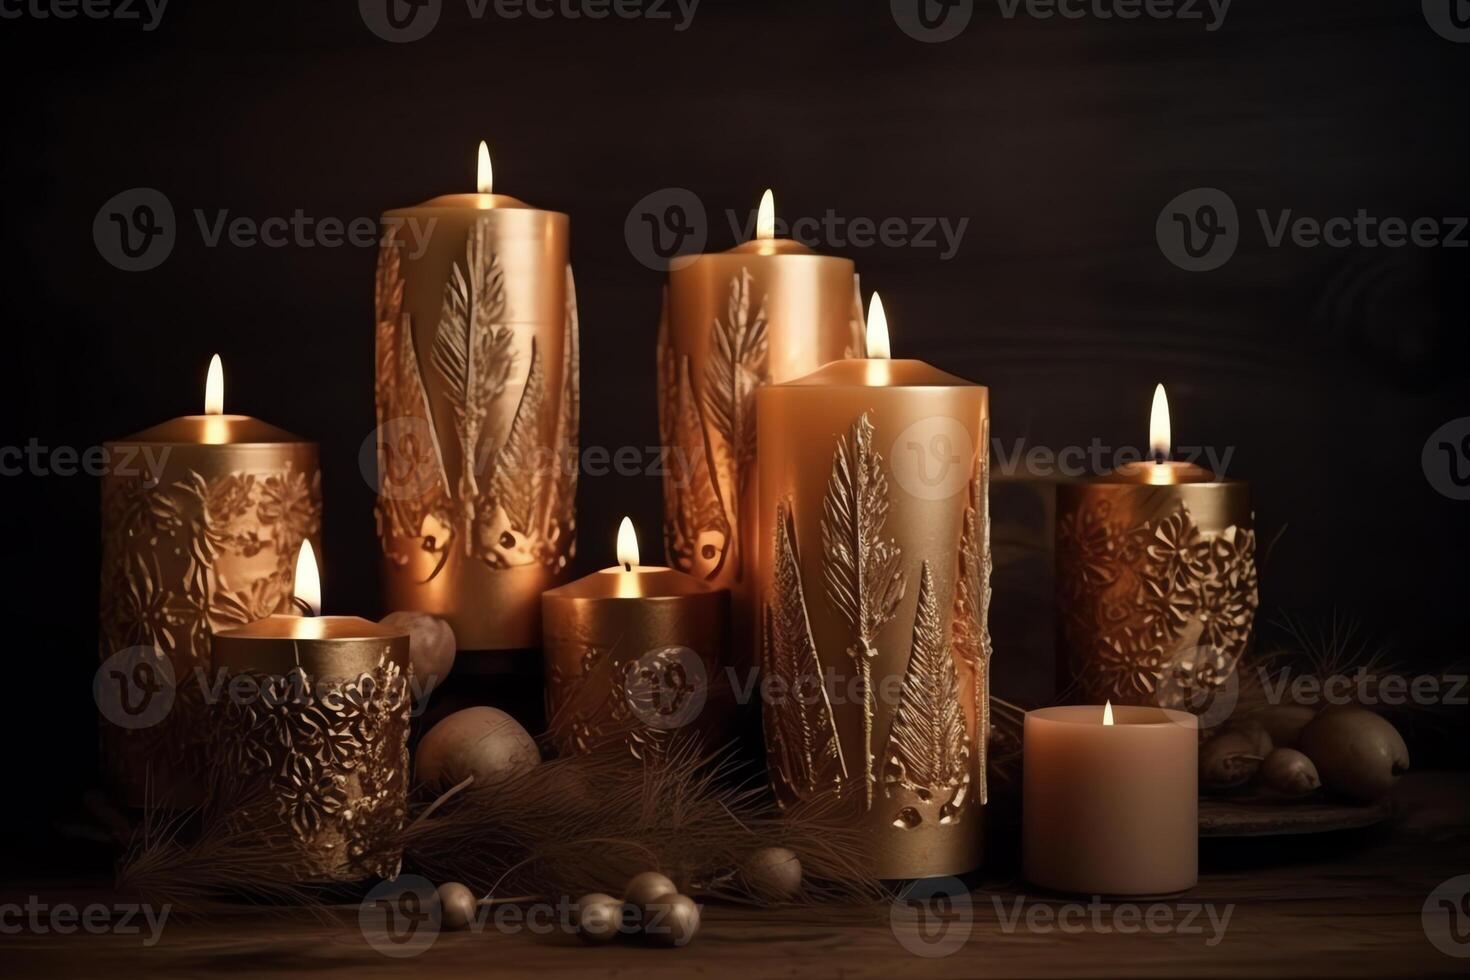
[
  {"x": 558, "y": 520},
  {"x": 800, "y": 726},
  {"x": 696, "y": 530},
  {"x": 506, "y": 510},
  {"x": 411, "y": 473},
  {"x": 928, "y": 746},
  {"x": 971, "y": 609},
  {"x": 737, "y": 366},
  {"x": 861, "y": 567}
]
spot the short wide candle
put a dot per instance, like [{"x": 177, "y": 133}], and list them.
[{"x": 1111, "y": 809}]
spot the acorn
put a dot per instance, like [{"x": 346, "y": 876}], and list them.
[
  {"x": 1284, "y": 722},
  {"x": 1287, "y": 772},
  {"x": 1359, "y": 754},
  {"x": 1226, "y": 761},
  {"x": 457, "y": 905},
  {"x": 599, "y": 917},
  {"x": 671, "y": 920}
]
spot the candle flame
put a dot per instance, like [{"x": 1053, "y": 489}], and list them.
[
  {"x": 484, "y": 173},
  {"x": 878, "y": 344},
  {"x": 308, "y": 588},
  {"x": 765, "y": 217},
  {"x": 627, "y": 545},
  {"x": 1159, "y": 436},
  {"x": 214, "y": 388},
  {"x": 1108, "y": 713}
]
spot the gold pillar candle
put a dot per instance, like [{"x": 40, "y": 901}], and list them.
[
  {"x": 766, "y": 311},
  {"x": 874, "y": 568},
  {"x": 311, "y": 737},
  {"x": 1156, "y": 579},
  {"x": 1109, "y": 800},
  {"x": 477, "y": 407},
  {"x": 202, "y": 517},
  {"x": 635, "y": 657}
]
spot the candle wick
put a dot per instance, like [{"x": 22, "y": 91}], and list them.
[
  {"x": 627, "y": 566},
  {"x": 304, "y": 606}
]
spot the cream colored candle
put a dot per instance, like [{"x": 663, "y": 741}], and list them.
[{"x": 1109, "y": 800}]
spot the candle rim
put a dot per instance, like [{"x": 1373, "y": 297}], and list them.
[
  {"x": 937, "y": 379},
  {"x": 1073, "y": 714},
  {"x": 167, "y": 434}
]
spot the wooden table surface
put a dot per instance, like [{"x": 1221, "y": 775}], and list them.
[{"x": 1296, "y": 907}]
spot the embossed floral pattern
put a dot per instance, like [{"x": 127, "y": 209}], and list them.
[{"x": 1134, "y": 595}]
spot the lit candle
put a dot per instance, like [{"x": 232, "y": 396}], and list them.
[
  {"x": 477, "y": 406},
  {"x": 635, "y": 655},
  {"x": 766, "y": 311},
  {"x": 1156, "y": 578},
  {"x": 313, "y": 732},
  {"x": 874, "y": 569},
  {"x": 202, "y": 517},
  {"x": 1109, "y": 800}
]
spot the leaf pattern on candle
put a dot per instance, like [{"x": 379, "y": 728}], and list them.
[
  {"x": 316, "y": 768},
  {"x": 928, "y": 745},
  {"x": 738, "y": 364},
  {"x": 861, "y": 568},
  {"x": 513, "y": 503},
  {"x": 800, "y": 728},
  {"x": 413, "y": 484},
  {"x": 1153, "y": 611},
  {"x": 857, "y": 324},
  {"x": 972, "y": 607},
  {"x": 696, "y": 531}
]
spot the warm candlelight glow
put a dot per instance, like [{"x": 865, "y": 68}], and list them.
[
  {"x": 878, "y": 345},
  {"x": 485, "y": 174},
  {"x": 1159, "y": 436},
  {"x": 627, "y": 545},
  {"x": 214, "y": 388},
  {"x": 765, "y": 218},
  {"x": 308, "y": 590},
  {"x": 1108, "y": 710}
]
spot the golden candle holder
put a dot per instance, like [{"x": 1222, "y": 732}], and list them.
[
  {"x": 312, "y": 741},
  {"x": 764, "y": 312},
  {"x": 1156, "y": 581},
  {"x": 635, "y": 659},
  {"x": 477, "y": 409},
  {"x": 874, "y": 568},
  {"x": 205, "y": 542}
]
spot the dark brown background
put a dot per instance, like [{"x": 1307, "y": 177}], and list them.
[{"x": 1060, "y": 141}]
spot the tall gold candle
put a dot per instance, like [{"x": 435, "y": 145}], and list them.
[
  {"x": 311, "y": 736},
  {"x": 874, "y": 573},
  {"x": 1156, "y": 579},
  {"x": 635, "y": 656},
  {"x": 764, "y": 312},
  {"x": 477, "y": 406},
  {"x": 202, "y": 517}
]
